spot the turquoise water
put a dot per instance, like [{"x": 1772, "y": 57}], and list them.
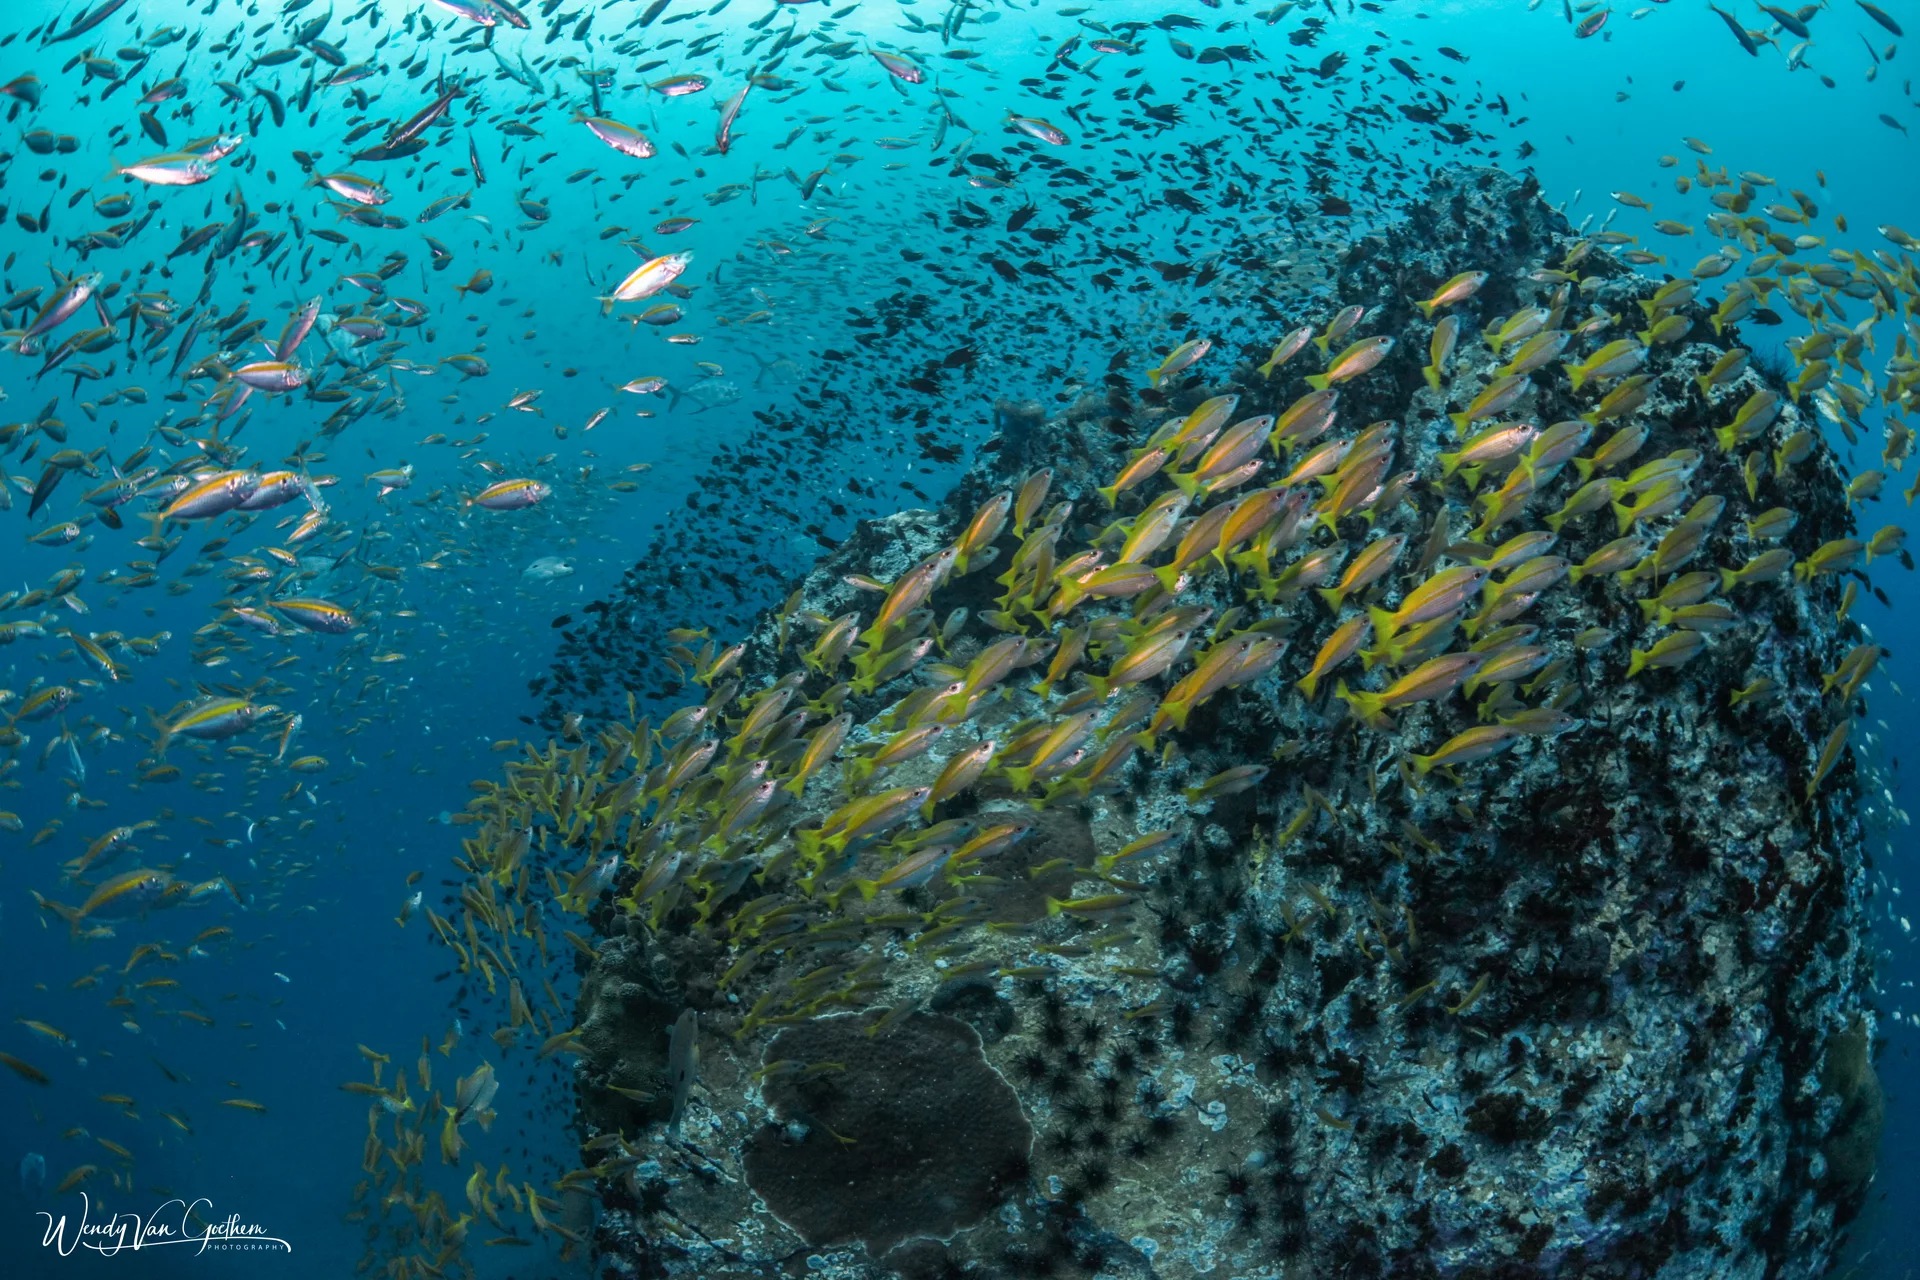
[{"x": 850, "y": 239}]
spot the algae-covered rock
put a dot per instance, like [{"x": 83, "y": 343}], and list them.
[
  {"x": 884, "y": 1138},
  {"x": 1852, "y": 1146},
  {"x": 1557, "y": 975}
]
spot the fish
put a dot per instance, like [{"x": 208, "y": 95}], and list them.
[
  {"x": 625, "y": 139},
  {"x": 650, "y": 277},
  {"x": 511, "y": 495},
  {"x": 1181, "y": 358},
  {"x": 548, "y": 569},
  {"x": 683, "y": 1065},
  {"x": 1457, "y": 288}
]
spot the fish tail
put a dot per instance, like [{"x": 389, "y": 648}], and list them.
[
  {"x": 1576, "y": 373},
  {"x": 1101, "y": 686},
  {"x": 1265, "y": 370},
  {"x": 1637, "y": 663},
  {"x": 1367, "y": 706},
  {"x": 1384, "y": 624},
  {"x": 1623, "y": 514},
  {"x": 1727, "y": 438},
  {"x": 163, "y": 734},
  {"x": 1645, "y": 335},
  {"x": 1427, "y": 309},
  {"x": 1719, "y": 325},
  {"x": 1055, "y": 906},
  {"x": 808, "y": 840},
  {"x": 1319, "y": 381},
  {"x": 1459, "y": 421},
  {"x": 1449, "y": 463},
  {"x": 1334, "y": 597},
  {"x": 1174, "y": 711},
  {"x": 1111, "y": 493},
  {"x": 1432, "y": 374},
  {"x": 1020, "y": 779},
  {"x": 1423, "y": 765},
  {"x": 1169, "y": 577},
  {"x": 1308, "y": 684},
  {"x": 1705, "y": 383},
  {"x": 1321, "y": 342},
  {"x": 1584, "y": 467},
  {"x": 1185, "y": 481}
]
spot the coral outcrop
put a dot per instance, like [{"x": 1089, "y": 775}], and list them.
[{"x": 1375, "y": 1005}]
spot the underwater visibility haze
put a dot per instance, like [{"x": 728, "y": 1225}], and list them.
[{"x": 958, "y": 638}]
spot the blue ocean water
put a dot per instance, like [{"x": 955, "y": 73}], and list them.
[{"x": 834, "y": 168}]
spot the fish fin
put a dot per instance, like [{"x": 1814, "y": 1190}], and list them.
[
  {"x": 1366, "y": 706},
  {"x": 163, "y": 734}
]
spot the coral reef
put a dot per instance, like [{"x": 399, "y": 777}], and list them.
[{"x": 1262, "y": 964}]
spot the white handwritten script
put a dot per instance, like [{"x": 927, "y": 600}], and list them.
[{"x": 174, "y": 1222}]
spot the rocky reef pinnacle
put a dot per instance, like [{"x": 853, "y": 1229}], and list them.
[{"x": 1592, "y": 1002}]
